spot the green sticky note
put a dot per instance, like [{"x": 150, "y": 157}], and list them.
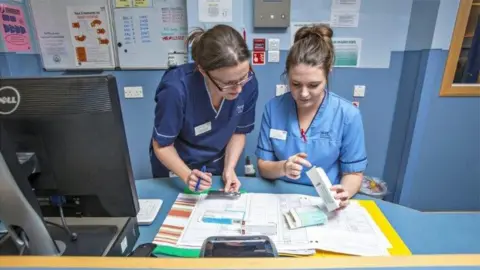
[{"x": 177, "y": 252}]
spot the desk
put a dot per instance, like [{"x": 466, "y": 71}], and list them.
[{"x": 424, "y": 233}]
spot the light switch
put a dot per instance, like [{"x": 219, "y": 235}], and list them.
[
  {"x": 359, "y": 91},
  {"x": 274, "y": 56},
  {"x": 274, "y": 44}
]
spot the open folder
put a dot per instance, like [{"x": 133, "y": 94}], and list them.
[{"x": 173, "y": 239}]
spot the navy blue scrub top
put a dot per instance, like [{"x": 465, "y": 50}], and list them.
[
  {"x": 334, "y": 141},
  {"x": 186, "y": 118}
]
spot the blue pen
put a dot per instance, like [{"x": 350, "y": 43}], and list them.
[{"x": 204, "y": 169}]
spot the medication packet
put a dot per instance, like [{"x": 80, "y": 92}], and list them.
[{"x": 322, "y": 184}]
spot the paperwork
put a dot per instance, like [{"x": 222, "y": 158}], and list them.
[
  {"x": 305, "y": 217},
  {"x": 350, "y": 231}
]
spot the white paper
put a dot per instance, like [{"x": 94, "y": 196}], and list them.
[
  {"x": 346, "y": 4},
  {"x": 347, "y": 52},
  {"x": 294, "y": 26},
  {"x": 345, "y": 13},
  {"x": 351, "y": 231},
  {"x": 344, "y": 18},
  {"x": 53, "y": 45},
  {"x": 90, "y": 34},
  {"x": 215, "y": 10}
]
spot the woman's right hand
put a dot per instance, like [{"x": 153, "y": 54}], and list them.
[
  {"x": 293, "y": 166},
  {"x": 195, "y": 176}
]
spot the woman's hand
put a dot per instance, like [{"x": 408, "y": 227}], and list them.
[
  {"x": 232, "y": 184},
  {"x": 341, "y": 194},
  {"x": 195, "y": 176},
  {"x": 293, "y": 166}
]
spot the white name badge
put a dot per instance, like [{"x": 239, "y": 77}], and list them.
[
  {"x": 278, "y": 134},
  {"x": 203, "y": 128}
]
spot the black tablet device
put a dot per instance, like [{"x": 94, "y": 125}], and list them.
[{"x": 238, "y": 246}]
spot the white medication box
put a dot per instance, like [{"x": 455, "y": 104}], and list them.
[{"x": 322, "y": 184}]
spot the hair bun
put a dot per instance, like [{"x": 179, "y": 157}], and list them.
[{"x": 321, "y": 30}]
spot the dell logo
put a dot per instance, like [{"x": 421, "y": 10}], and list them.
[{"x": 9, "y": 100}]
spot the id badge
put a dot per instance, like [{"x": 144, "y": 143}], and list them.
[{"x": 201, "y": 129}]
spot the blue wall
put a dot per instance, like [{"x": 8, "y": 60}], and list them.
[{"x": 408, "y": 127}]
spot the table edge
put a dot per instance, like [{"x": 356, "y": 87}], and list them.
[{"x": 241, "y": 263}]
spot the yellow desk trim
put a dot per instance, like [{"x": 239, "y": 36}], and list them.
[{"x": 244, "y": 263}]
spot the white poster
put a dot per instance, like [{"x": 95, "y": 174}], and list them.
[
  {"x": 346, "y": 4},
  {"x": 90, "y": 35},
  {"x": 174, "y": 22},
  {"x": 215, "y": 10},
  {"x": 344, "y": 18},
  {"x": 294, "y": 26},
  {"x": 345, "y": 13},
  {"x": 54, "y": 46},
  {"x": 347, "y": 52}
]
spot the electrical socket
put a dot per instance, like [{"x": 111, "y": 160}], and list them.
[
  {"x": 133, "y": 92},
  {"x": 359, "y": 91},
  {"x": 273, "y": 56},
  {"x": 281, "y": 89}
]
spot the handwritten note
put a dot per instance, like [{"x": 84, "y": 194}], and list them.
[
  {"x": 123, "y": 3},
  {"x": 14, "y": 29},
  {"x": 142, "y": 3}
]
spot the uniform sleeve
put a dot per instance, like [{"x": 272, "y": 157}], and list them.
[
  {"x": 353, "y": 156},
  {"x": 247, "y": 121},
  {"x": 264, "y": 148},
  {"x": 169, "y": 113}
]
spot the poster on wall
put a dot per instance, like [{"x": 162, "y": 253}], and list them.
[
  {"x": 215, "y": 10},
  {"x": 294, "y": 26},
  {"x": 345, "y": 13},
  {"x": 14, "y": 29},
  {"x": 90, "y": 34},
  {"x": 347, "y": 51}
]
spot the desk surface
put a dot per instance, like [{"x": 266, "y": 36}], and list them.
[{"x": 423, "y": 233}]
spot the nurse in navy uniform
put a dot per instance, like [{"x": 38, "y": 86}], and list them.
[{"x": 204, "y": 111}]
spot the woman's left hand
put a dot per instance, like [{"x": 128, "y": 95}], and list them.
[
  {"x": 342, "y": 195},
  {"x": 232, "y": 184}
]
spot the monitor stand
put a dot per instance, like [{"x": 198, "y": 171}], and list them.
[{"x": 95, "y": 237}]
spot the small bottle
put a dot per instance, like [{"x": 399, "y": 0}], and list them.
[{"x": 249, "y": 168}]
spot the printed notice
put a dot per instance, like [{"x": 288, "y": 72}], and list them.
[
  {"x": 53, "y": 44},
  {"x": 344, "y": 18},
  {"x": 347, "y": 51},
  {"x": 345, "y": 13},
  {"x": 294, "y": 26},
  {"x": 14, "y": 29},
  {"x": 90, "y": 34},
  {"x": 174, "y": 22},
  {"x": 215, "y": 10},
  {"x": 123, "y": 3}
]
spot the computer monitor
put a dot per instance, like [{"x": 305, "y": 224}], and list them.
[{"x": 64, "y": 138}]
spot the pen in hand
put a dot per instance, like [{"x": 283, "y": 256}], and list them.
[{"x": 204, "y": 169}]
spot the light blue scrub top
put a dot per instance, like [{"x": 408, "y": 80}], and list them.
[{"x": 335, "y": 140}]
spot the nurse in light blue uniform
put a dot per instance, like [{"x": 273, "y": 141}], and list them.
[
  {"x": 204, "y": 111},
  {"x": 311, "y": 126}
]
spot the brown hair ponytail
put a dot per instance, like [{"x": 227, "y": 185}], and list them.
[
  {"x": 218, "y": 47},
  {"x": 313, "y": 47}
]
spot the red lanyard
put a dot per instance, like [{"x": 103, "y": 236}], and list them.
[{"x": 303, "y": 134}]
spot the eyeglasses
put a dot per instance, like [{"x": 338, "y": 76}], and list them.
[{"x": 231, "y": 86}]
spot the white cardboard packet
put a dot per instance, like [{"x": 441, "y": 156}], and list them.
[{"x": 322, "y": 184}]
